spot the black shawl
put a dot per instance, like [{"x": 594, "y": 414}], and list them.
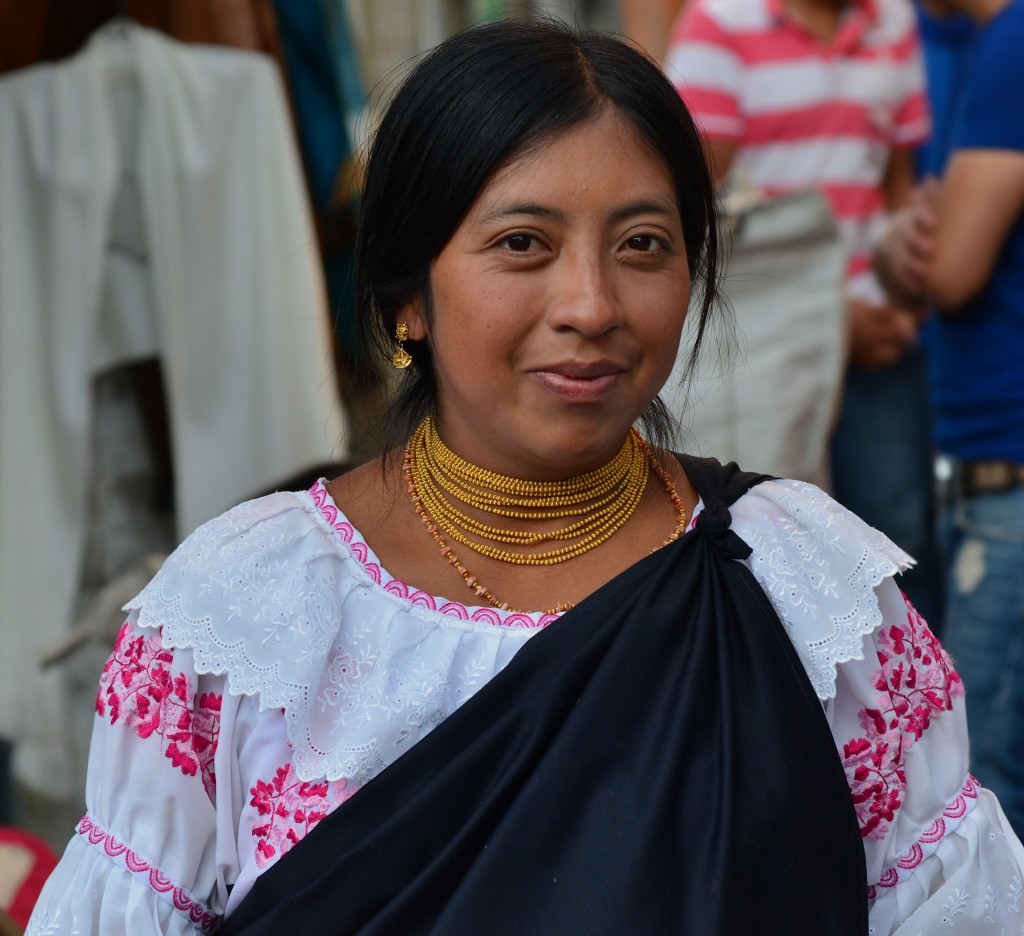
[{"x": 654, "y": 762}]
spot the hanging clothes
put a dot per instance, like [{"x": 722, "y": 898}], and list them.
[
  {"x": 232, "y": 300},
  {"x": 327, "y": 99},
  {"x": 50, "y": 30}
]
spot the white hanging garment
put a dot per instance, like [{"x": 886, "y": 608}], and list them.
[{"x": 232, "y": 299}]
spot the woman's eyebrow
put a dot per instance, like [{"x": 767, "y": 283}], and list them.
[
  {"x": 666, "y": 209},
  {"x": 530, "y": 209}
]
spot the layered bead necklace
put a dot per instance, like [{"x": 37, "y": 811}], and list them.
[{"x": 593, "y": 506}]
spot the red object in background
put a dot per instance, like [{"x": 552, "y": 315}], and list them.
[{"x": 25, "y": 863}]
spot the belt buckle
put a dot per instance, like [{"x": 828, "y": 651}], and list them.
[{"x": 982, "y": 477}]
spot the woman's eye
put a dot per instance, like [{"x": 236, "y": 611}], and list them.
[
  {"x": 519, "y": 243},
  {"x": 646, "y": 243}
]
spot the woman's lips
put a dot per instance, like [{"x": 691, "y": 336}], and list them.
[{"x": 579, "y": 383}]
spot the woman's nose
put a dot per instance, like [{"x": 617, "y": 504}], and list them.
[{"x": 584, "y": 298}]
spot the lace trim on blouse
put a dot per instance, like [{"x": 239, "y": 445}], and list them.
[
  {"x": 819, "y": 564},
  {"x": 272, "y": 596}
]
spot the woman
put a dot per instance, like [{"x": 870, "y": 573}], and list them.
[{"x": 618, "y": 719}]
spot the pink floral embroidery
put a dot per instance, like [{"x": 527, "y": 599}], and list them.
[
  {"x": 292, "y": 808},
  {"x": 916, "y": 682},
  {"x": 414, "y": 596},
  {"x": 118, "y": 852},
  {"x": 137, "y": 688}
]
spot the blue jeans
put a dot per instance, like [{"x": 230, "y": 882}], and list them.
[{"x": 985, "y": 635}]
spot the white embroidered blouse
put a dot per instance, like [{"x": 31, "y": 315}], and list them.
[{"x": 273, "y": 667}]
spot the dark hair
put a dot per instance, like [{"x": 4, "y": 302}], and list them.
[{"x": 472, "y": 105}]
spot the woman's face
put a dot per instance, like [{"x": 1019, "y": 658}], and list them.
[{"x": 558, "y": 304}]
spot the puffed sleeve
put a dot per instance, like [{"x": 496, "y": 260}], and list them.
[
  {"x": 940, "y": 853},
  {"x": 155, "y": 851}
]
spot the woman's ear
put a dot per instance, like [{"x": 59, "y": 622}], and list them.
[{"x": 412, "y": 313}]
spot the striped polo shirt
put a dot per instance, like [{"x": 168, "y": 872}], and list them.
[{"x": 806, "y": 113}]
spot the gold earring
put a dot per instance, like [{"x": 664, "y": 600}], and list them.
[{"x": 401, "y": 358}]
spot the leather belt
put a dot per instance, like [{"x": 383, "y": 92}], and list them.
[{"x": 985, "y": 477}]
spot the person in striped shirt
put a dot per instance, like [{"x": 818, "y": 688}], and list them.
[{"x": 819, "y": 94}]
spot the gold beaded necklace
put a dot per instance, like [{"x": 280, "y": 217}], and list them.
[{"x": 602, "y": 500}]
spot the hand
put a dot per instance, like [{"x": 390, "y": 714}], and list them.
[
  {"x": 905, "y": 252},
  {"x": 879, "y": 335}
]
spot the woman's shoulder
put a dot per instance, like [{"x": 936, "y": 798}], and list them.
[
  {"x": 284, "y": 526},
  {"x": 803, "y": 514},
  {"x": 265, "y": 573},
  {"x": 279, "y": 524},
  {"x": 822, "y": 568}
]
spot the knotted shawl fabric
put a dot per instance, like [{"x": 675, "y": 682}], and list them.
[{"x": 654, "y": 762}]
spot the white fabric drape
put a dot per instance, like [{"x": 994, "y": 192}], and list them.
[{"x": 235, "y": 293}]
